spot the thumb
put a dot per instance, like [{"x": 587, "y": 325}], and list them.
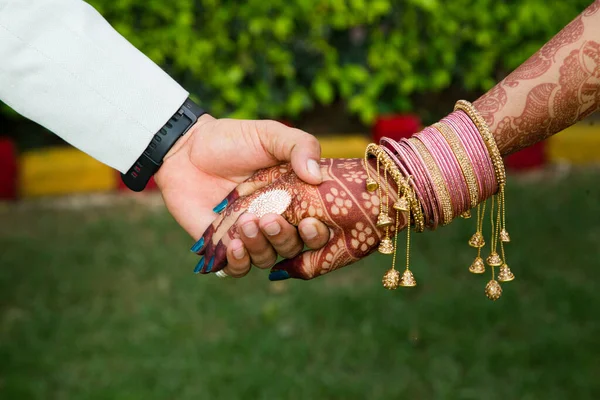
[{"x": 292, "y": 145}]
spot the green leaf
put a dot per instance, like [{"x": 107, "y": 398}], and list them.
[{"x": 323, "y": 90}]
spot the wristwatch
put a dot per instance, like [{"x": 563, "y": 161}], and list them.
[{"x": 150, "y": 161}]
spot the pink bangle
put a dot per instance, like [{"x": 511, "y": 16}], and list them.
[
  {"x": 394, "y": 148},
  {"x": 439, "y": 182},
  {"x": 478, "y": 144},
  {"x": 449, "y": 167},
  {"x": 416, "y": 169},
  {"x": 457, "y": 126}
]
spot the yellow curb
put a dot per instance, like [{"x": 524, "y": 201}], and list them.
[
  {"x": 579, "y": 144},
  {"x": 63, "y": 170},
  {"x": 344, "y": 146}
]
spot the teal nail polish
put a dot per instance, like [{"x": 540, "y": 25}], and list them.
[
  {"x": 210, "y": 264},
  {"x": 220, "y": 207},
  {"x": 198, "y": 245},
  {"x": 279, "y": 275},
  {"x": 199, "y": 265}
]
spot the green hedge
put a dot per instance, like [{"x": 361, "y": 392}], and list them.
[{"x": 278, "y": 58}]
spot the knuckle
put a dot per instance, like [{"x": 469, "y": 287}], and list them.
[
  {"x": 265, "y": 263},
  {"x": 289, "y": 251}
]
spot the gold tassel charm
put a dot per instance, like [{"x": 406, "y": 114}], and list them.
[
  {"x": 391, "y": 279},
  {"x": 504, "y": 236},
  {"x": 408, "y": 279},
  {"x": 505, "y": 274},
  {"x": 477, "y": 240},
  {"x": 493, "y": 290},
  {"x": 466, "y": 214},
  {"x": 477, "y": 267},
  {"x": 402, "y": 204},
  {"x": 384, "y": 220},
  {"x": 494, "y": 260},
  {"x": 386, "y": 246},
  {"x": 371, "y": 184}
]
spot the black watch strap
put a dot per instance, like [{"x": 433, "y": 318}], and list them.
[{"x": 150, "y": 161}]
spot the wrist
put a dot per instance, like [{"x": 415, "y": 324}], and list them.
[
  {"x": 177, "y": 157},
  {"x": 197, "y": 130}
]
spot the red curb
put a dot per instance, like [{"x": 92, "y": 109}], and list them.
[
  {"x": 395, "y": 126},
  {"x": 8, "y": 169},
  {"x": 529, "y": 158},
  {"x": 122, "y": 188}
]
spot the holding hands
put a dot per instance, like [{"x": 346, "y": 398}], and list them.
[{"x": 347, "y": 212}]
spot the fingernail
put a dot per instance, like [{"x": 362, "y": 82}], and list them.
[
  {"x": 272, "y": 228},
  {"x": 210, "y": 264},
  {"x": 250, "y": 229},
  {"x": 199, "y": 265},
  {"x": 239, "y": 253},
  {"x": 309, "y": 232},
  {"x": 220, "y": 207},
  {"x": 279, "y": 275},
  {"x": 314, "y": 169},
  {"x": 196, "y": 247}
]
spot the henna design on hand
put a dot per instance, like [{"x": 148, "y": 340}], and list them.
[{"x": 341, "y": 202}]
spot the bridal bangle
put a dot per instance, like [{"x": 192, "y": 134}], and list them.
[{"x": 440, "y": 173}]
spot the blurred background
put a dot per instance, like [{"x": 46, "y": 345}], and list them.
[{"x": 97, "y": 295}]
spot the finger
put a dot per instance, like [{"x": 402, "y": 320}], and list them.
[
  {"x": 220, "y": 226},
  {"x": 281, "y": 235},
  {"x": 238, "y": 259},
  {"x": 261, "y": 252},
  {"x": 200, "y": 246},
  {"x": 313, "y": 263},
  {"x": 294, "y": 145},
  {"x": 314, "y": 233},
  {"x": 216, "y": 256},
  {"x": 257, "y": 181}
]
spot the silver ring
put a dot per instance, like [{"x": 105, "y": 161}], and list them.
[{"x": 221, "y": 274}]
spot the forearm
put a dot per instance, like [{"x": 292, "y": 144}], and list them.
[
  {"x": 63, "y": 66},
  {"x": 556, "y": 87}
]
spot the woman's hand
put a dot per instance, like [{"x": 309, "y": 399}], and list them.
[{"x": 341, "y": 202}]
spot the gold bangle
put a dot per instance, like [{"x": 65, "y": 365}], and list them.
[
  {"x": 387, "y": 163},
  {"x": 488, "y": 138},
  {"x": 438, "y": 181},
  {"x": 498, "y": 221},
  {"x": 463, "y": 160}
]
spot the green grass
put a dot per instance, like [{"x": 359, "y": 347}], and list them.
[{"x": 102, "y": 304}]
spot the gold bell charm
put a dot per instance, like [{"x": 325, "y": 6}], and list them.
[
  {"x": 391, "y": 279},
  {"x": 493, "y": 291},
  {"x": 477, "y": 240},
  {"x": 371, "y": 184},
  {"x": 384, "y": 220},
  {"x": 386, "y": 246},
  {"x": 408, "y": 279},
  {"x": 504, "y": 236},
  {"x": 466, "y": 214},
  {"x": 494, "y": 260},
  {"x": 505, "y": 274},
  {"x": 477, "y": 267},
  {"x": 401, "y": 204}
]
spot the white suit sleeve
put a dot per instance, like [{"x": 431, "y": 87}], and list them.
[{"x": 63, "y": 66}]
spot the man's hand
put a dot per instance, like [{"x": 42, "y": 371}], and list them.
[{"x": 218, "y": 154}]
